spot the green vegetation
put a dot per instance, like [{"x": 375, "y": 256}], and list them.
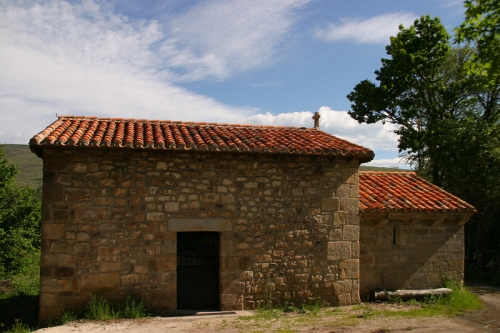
[
  {"x": 459, "y": 301},
  {"x": 26, "y": 283},
  {"x": 20, "y": 217},
  {"x": 100, "y": 309},
  {"x": 29, "y": 165},
  {"x": 286, "y": 317},
  {"x": 445, "y": 101},
  {"x": 18, "y": 327}
]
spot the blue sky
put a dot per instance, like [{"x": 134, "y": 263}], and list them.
[{"x": 245, "y": 61}]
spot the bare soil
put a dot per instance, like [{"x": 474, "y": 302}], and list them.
[{"x": 339, "y": 320}]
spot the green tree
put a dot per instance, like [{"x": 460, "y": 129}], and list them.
[
  {"x": 447, "y": 121},
  {"x": 482, "y": 28},
  {"x": 20, "y": 216},
  {"x": 416, "y": 90}
]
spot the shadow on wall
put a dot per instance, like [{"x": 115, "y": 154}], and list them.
[{"x": 410, "y": 255}]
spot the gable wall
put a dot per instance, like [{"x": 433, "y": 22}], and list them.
[
  {"x": 289, "y": 226},
  {"x": 402, "y": 254}
]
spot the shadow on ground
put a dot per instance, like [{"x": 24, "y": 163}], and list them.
[{"x": 24, "y": 308}]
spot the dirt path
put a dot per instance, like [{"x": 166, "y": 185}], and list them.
[{"x": 343, "y": 320}]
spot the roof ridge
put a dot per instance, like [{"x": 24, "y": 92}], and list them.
[
  {"x": 180, "y": 122},
  {"x": 392, "y": 173}
]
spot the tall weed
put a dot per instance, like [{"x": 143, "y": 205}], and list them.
[
  {"x": 18, "y": 327},
  {"x": 100, "y": 309}
]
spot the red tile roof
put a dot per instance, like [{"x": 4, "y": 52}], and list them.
[
  {"x": 405, "y": 192},
  {"x": 70, "y": 131}
]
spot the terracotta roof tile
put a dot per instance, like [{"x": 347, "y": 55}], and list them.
[
  {"x": 405, "y": 192},
  {"x": 131, "y": 133}
]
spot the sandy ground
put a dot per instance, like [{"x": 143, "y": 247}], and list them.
[{"x": 345, "y": 319}]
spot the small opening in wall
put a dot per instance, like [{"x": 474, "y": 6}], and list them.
[{"x": 394, "y": 235}]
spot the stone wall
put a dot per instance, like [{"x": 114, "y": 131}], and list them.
[
  {"x": 411, "y": 253},
  {"x": 289, "y": 226}
]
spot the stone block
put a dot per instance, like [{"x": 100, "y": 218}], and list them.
[
  {"x": 211, "y": 197},
  {"x": 48, "y": 300},
  {"x": 155, "y": 217},
  {"x": 349, "y": 204},
  {"x": 169, "y": 247},
  {"x": 342, "y": 287},
  {"x": 349, "y": 269},
  {"x": 169, "y": 278},
  {"x": 109, "y": 266},
  {"x": 263, "y": 258},
  {"x": 228, "y": 198},
  {"x": 60, "y": 216},
  {"x": 204, "y": 224},
  {"x": 302, "y": 278},
  {"x": 52, "y": 192},
  {"x": 79, "y": 167},
  {"x": 47, "y": 315},
  {"x": 343, "y": 191},
  {"x": 161, "y": 166},
  {"x": 235, "y": 263},
  {"x": 80, "y": 247},
  {"x": 76, "y": 194},
  {"x": 330, "y": 204},
  {"x": 339, "y": 250},
  {"x": 341, "y": 218},
  {"x": 50, "y": 259},
  {"x": 64, "y": 272},
  {"x": 344, "y": 299},
  {"x": 53, "y": 231},
  {"x": 354, "y": 191},
  {"x": 350, "y": 232},
  {"x": 171, "y": 206},
  {"x": 234, "y": 288},
  {"x": 162, "y": 263},
  {"x": 92, "y": 213},
  {"x": 227, "y": 247},
  {"x": 101, "y": 283},
  {"x": 129, "y": 279},
  {"x": 55, "y": 285},
  {"x": 351, "y": 178},
  {"x": 246, "y": 275}
]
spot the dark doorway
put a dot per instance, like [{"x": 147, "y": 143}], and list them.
[{"x": 198, "y": 270}]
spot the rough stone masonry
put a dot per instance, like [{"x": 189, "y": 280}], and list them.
[{"x": 289, "y": 226}]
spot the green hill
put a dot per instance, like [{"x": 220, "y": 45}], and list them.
[{"x": 30, "y": 166}]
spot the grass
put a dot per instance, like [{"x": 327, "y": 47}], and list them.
[
  {"x": 18, "y": 327},
  {"x": 286, "y": 317},
  {"x": 25, "y": 284},
  {"x": 456, "y": 303},
  {"x": 100, "y": 309}
]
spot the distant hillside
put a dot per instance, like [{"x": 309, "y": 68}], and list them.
[
  {"x": 372, "y": 168},
  {"x": 30, "y": 166}
]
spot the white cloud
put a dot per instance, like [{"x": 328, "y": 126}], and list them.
[
  {"x": 374, "y": 30},
  {"x": 389, "y": 163},
  {"x": 339, "y": 123},
  {"x": 83, "y": 59},
  {"x": 217, "y": 38}
]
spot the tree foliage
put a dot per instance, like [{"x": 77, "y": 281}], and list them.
[
  {"x": 20, "y": 215},
  {"x": 446, "y": 113},
  {"x": 482, "y": 28}
]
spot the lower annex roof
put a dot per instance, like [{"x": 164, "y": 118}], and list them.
[{"x": 384, "y": 192}]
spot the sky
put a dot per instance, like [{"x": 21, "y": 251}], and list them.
[{"x": 270, "y": 62}]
